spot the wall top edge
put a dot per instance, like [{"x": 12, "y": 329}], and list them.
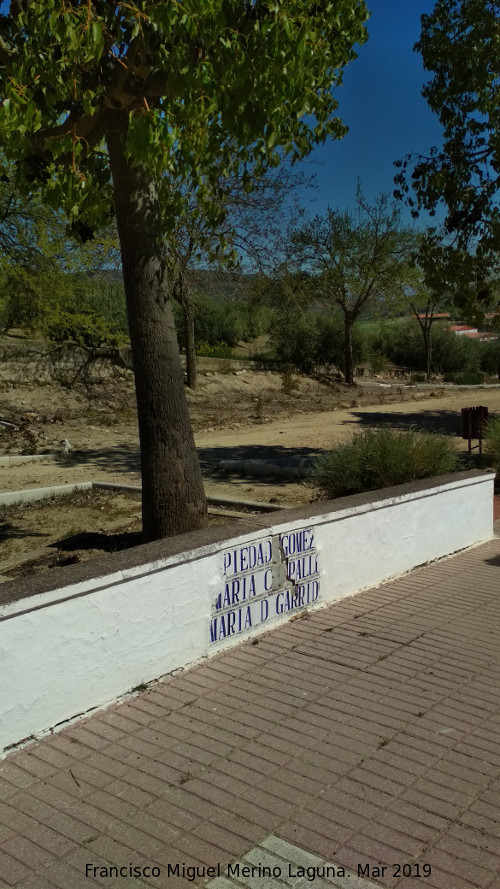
[{"x": 106, "y": 569}]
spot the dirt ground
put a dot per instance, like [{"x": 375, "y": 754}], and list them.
[
  {"x": 237, "y": 414},
  {"x": 48, "y": 534}
]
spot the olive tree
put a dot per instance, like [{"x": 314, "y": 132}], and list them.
[
  {"x": 355, "y": 259},
  {"x": 105, "y": 102}
]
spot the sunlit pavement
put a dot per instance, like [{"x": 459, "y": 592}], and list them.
[{"x": 366, "y": 734}]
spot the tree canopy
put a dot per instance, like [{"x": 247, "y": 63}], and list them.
[
  {"x": 460, "y": 46},
  {"x": 104, "y": 104},
  {"x": 194, "y": 81},
  {"x": 355, "y": 259}
]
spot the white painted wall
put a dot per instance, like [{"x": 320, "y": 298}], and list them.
[{"x": 83, "y": 645}]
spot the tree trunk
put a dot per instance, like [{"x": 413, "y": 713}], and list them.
[
  {"x": 173, "y": 498},
  {"x": 348, "y": 359},
  {"x": 428, "y": 352},
  {"x": 188, "y": 310}
]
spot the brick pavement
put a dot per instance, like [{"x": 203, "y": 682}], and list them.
[{"x": 365, "y": 734}]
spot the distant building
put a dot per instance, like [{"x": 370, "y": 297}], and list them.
[
  {"x": 437, "y": 316},
  {"x": 462, "y": 329},
  {"x": 472, "y": 333}
]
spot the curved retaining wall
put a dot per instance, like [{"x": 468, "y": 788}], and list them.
[{"x": 80, "y": 638}]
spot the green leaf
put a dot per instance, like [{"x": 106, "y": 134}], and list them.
[{"x": 97, "y": 37}]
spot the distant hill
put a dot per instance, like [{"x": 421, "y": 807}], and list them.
[{"x": 218, "y": 284}]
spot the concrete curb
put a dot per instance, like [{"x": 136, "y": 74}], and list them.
[
  {"x": 18, "y": 459},
  {"x": 29, "y": 495},
  {"x": 14, "y": 498}
]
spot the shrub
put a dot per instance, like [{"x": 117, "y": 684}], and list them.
[
  {"x": 223, "y": 320},
  {"x": 490, "y": 358},
  {"x": 86, "y": 330},
  {"x": 381, "y": 458},
  {"x": 377, "y": 362},
  {"x": 403, "y": 344},
  {"x": 294, "y": 341},
  {"x": 454, "y": 354},
  {"x": 102, "y": 298},
  {"x": 218, "y": 321},
  {"x": 451, "y": 354},
  {"x": 492, "y": 442},
  {"x": 217, "y": 350},
  {"x": 466, "y": 378},
  {"x": 309, "y": 341},
  {"x": 257, "y": 319}
]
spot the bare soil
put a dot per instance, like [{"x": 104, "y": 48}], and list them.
[
  {"x": 47, "y": 534},
  {"x": 237, "y": 413}
]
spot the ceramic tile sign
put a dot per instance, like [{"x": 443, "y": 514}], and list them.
[{"x": 263, "y": 580}]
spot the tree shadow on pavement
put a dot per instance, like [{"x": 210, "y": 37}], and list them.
[
  {"x": 277, "y": 455},
  {"x": 447, "y": 422},
  {"x": 125, "y": 458}
]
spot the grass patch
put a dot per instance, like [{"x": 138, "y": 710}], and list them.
[
  {"x": 381, "y": 458},
  {"x": 378, "y": 324}
]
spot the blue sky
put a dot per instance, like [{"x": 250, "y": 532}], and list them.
[{"x": 381, "y": 103}]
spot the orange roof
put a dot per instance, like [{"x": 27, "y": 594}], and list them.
[{"x": 445, "y": 315}]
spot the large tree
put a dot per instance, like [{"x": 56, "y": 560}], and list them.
[
  {"x": 354, "y": 260},
  {"x": 460, "y": 46},
  {"x": 101, "y": 99}
]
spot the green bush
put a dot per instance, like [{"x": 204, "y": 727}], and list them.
[
  {"x": 403, "y": 344},
  {"x": 454, "y": 354},
  {"x": 466, "y": 378},
  {"x": 257, "y": 319},
  {"x": 223, "y": 321},
  {"x": 451, "y": 354},
  {"x": 490, "y": 358},
  {"x": 86, "y": 330},
  {"x": 103, "y": 298},
  {"x": 377, "y": 362},
  {"x": 217, "y": 350},
  {"x": 381, "y": 458},
  {"x": 28, "y": 298},
  {"x": 217, "y": 322},
  {"x": 309, "y": 341},
  {"x": 492, "y": 442},
  {"x": 294, "y": 342}
]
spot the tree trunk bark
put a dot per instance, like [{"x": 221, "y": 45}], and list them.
[
  {"x": 348, "y": 359},
  {"x": 173, "y": 498},
  {"x": 428, "y": 352},
  {"x": 192, "y": 375}
]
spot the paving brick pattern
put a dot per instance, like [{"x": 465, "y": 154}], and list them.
[
  {"x": 282, "y": 865},
  {"x": 367, "y": 733}
]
